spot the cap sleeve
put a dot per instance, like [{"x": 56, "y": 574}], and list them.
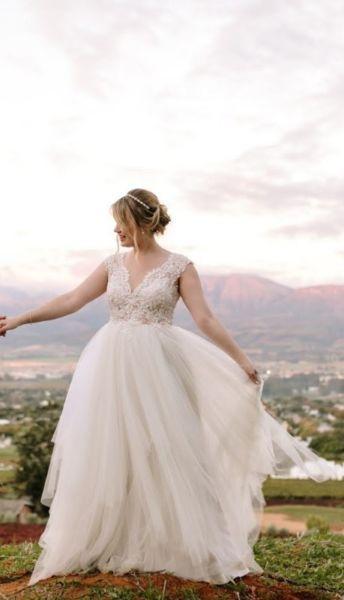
[
  {"x": 109, "y": 262},
  {"x": 184, "y": 261}
]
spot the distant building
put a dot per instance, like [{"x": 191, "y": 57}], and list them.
[{"x": 5, "y": 441}]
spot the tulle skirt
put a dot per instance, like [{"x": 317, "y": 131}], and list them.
[{"x": 159, "y": 457}]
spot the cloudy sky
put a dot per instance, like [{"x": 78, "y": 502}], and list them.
[{"x": 230, "y": 111}]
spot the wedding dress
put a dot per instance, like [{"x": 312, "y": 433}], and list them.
[{"x": 161, "y": 447}]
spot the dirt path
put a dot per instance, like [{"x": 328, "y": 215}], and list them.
[
  {"x": 281, "y": 521},
  {"x": 284, "y": 521}
]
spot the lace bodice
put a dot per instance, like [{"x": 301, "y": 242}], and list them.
[{"x": 153, "y": 300}]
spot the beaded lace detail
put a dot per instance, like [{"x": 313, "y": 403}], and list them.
[{"x": 154, "y": 299}]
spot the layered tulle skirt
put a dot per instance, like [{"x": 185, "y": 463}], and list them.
[{"x": 159, "y": 457}]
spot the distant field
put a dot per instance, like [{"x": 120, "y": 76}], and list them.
[
  {"x": 6, "y": 477},
  {"x": 303, "y": 488},
  {"x": 8, "y": 456},
  {"x": 60, "y": 383}
]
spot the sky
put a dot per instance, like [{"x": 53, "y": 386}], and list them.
[{"x": 230, "y": 111}]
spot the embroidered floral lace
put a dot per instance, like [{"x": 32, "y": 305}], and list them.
[{"x": 153, "y": 300}]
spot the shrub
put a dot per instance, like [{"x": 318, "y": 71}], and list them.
[
  {"x": 317, "y": 523},
  {"x": 273, "y": 531}
]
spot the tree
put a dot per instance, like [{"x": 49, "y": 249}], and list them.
[
  {"x": 34, "y": 446},
  {"x": 330, "y": 445}
]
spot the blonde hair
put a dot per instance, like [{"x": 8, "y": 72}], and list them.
[{"x": 152, "y": 218}]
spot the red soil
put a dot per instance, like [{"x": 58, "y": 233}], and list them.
[{"x": 252, "y": 587}]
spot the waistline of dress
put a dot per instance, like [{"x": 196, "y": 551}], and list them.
[{"x": 137, "y": 322}]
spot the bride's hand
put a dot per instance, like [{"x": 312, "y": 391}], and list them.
[
  {"x": 251, "y": 371},
  {"x": 257, "y": 379},
  {"x": 7, "y": 323}
]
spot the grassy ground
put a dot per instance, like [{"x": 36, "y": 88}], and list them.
[
  {"x": 309, "y": 568},
  {"x": 315, "y": 559}
]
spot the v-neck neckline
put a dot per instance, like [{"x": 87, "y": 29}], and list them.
[{"x": 145, "y": 277}]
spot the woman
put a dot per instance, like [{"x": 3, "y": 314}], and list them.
[{"x": 163, "y": 442}]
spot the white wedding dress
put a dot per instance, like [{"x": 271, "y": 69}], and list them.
[{"x": 161, "y": 448}]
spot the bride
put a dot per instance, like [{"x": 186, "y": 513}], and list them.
[{"x": 163, "y": 442}]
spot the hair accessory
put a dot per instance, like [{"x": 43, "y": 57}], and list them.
[{"x": 140, "y": 201}]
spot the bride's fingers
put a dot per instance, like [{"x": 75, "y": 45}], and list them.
[{"x": 255, "y": 377}]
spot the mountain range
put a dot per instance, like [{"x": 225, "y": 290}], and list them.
[{"x": 270, "y": 320}]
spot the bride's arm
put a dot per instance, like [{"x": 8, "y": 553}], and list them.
[
  {"x": 93, "y": 286},
  {"x": 191, "y": 291}
]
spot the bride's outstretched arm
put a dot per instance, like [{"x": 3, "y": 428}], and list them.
[
  {"x": 64, "y": 304},
  {"x": 191, "y": 291}
]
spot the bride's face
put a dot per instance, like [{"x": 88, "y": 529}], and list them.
[{"x": 124, "y": 235}]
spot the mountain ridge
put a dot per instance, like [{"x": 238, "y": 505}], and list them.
[{"x": 270, "y": 319}]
